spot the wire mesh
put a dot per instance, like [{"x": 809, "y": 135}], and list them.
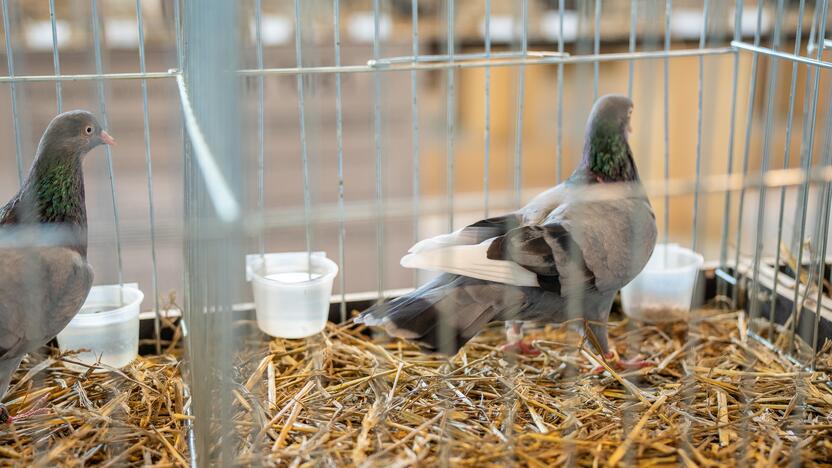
[{"x": 220, "y": 224}]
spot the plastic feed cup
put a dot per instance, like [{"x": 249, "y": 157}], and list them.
[
  {"x": 107, "y": 325},
  {"x": 290, "y": 301},
  {"x": 662, "y": 292}
]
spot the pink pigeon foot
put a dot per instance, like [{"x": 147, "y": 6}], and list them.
[
  {"x": 520, "y": 347},
  {"x": 621, "y": 364},
  {"x": 36, "y": 410}
]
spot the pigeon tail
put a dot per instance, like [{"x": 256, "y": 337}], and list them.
[{"x": 440, "y": 315}]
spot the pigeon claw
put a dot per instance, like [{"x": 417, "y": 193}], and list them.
[{"x": 520, "y": 347}]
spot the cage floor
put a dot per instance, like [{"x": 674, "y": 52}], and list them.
[
  {"x": 345, "y": 399},
  {"x": 711, "y": 398},
  {"x": 134, "y": 416}
]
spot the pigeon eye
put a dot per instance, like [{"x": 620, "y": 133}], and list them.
[{"x": 88, "y": 130}]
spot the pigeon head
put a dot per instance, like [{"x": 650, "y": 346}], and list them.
[
  {"x": 71, "y": 135},
  {"x": 54, "y": 190},
  {"x": 607, "y": 156}
]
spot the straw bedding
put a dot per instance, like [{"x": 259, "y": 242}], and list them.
[
  {"x": 129, "y": 417},
  {"x": 712, "y": 398}
]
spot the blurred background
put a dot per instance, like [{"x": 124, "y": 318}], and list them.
[{"x": 404, "y": 143}]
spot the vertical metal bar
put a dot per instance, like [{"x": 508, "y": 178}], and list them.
[
  {"x": 559, "y": 142},
  {"x": 786, "y": 162},
  {"x": 213, "y": 240},
  {"x": 154, "y": 274},
  {"x": 813, "y": 29},
  {"x": 511, "y": 373},
  {"x": 822, "y": 238},
  {"x": 99, "y": 68},
  {"x": 666, "y": 221},
  {"x": 726, "y": 225},
  {"x": 414, "y": 116},
  {"x": 339, "y": 137},
  {"x": 18, "y": 149},
  {"x": 177, "y": 20},
  {"x": 691, "y": 353},
  {"x": 56, "y": 61},
  {"x": 446, "y": 330},
  {"x": 307, "y": 195},
  {"x": 749, "y": 125},
  {"x": 806, "y": 162},
  {"x": 520, "y": 107},
  {"x": 261, "y": 131},
  {"x": 699, "y": 121},
  {"x": 632, "y": 47},
  {"x": 378, "y": 151},
  {"x": 487, "y": 156},
  {"x": 450, "y": 104},
  {"x": 596, "y": 49},
  {"x": 769, "y": 113}
]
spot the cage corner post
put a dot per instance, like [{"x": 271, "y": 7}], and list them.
[{"x": 213, "y": 240}]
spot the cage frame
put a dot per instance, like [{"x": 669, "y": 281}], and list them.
[{"x": 204, "y": 165}]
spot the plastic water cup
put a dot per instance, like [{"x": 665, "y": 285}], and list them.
[
  {"x": 291, "y": 299},
  {"x": 107, "y": 325},
  {"x": 662, "y": 292}
]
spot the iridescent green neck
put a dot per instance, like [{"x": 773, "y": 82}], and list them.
[
  {"x": 607, "y": 153},
  {"x": 58, "y": 192}
]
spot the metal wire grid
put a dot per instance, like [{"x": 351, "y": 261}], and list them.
[{"x": 213, "y": 183}]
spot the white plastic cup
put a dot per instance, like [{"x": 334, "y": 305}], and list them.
[
  {"x": 662, "y": 292},
  {"x": 107, "y": 325},
  {"x": 289, "y": 302}
]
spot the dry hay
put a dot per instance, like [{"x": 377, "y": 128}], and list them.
[
  {"x": 130, "y": 417},
  {"x": 135, "y": 416},
  {"x": 343, "y": 399},
  {"x": 713, "y": 397}
]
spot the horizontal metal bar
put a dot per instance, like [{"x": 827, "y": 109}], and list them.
[
  {"x": 397, "y": 208},
  {"x": 773, "y": 348},
  {"x": 89, "y": 77},
  {"x": 813, "y": 46},
  {"x": 783, "y": 55},
  {"x": 362, "y": 296},
  {"x": 404, "y": 63},
  {"x": 463, "y": 57},
  {"x": 544, "y": 60},
  {"x": 170, "y": 229},
  {"x": 725, "y": 276}
]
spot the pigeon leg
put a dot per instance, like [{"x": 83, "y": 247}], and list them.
[
  {"x": 514, "y": 336},
  {"x": 36, "y": 410},
  {"x": 633, "y": 363},
  {"x": 621, "y": 364}
]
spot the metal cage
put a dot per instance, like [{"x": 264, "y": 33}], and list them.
[{"x": 259, "y": 103}]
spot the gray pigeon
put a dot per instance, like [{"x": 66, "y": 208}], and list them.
[
  {"x": 43, "y": 287},
  {"x": 564, "y": 251}
]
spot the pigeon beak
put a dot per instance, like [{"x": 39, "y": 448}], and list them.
[{"x": 107, "y": 139}]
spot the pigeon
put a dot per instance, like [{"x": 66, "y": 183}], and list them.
[
  {"x": 566, "y": 251},
  {"x": 44, "y": 284}
]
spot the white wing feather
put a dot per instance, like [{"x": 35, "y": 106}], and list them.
[
  {"x": 466, "y": 260},
  {"x": 455, "y": 238}
]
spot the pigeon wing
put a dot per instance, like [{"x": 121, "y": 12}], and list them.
[{"x": 41, "y": 289}]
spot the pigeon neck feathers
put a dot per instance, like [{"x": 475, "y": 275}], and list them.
[
  {"x": 58, "y": 191},
  {"x": 52, "y": 196},
  {"x": 607, "y": 156}
]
